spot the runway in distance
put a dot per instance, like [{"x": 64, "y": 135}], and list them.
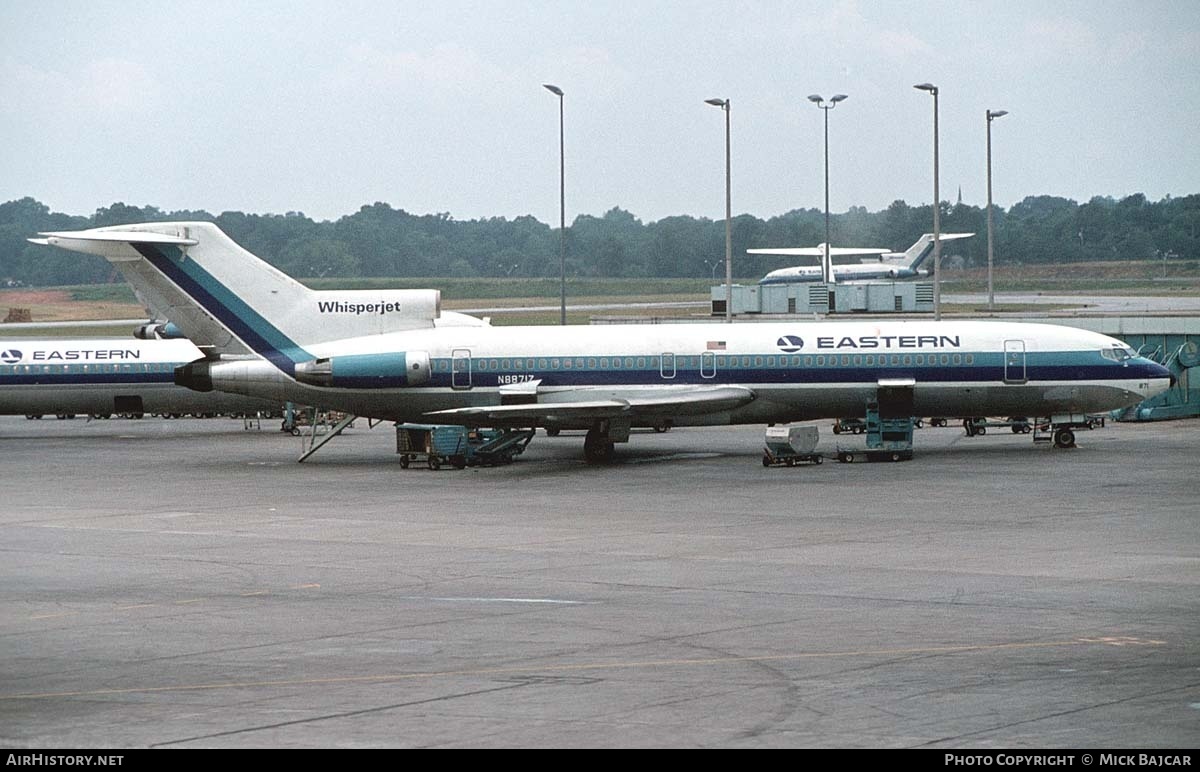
[
  {"x": 106, "y": 376},
  {"x": 394, "y": 355},
  {"x": 886, "y": 265}
]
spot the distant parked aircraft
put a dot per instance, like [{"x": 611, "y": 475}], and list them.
[{"x": 885, "y": 264}]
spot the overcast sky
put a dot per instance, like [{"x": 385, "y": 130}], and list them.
[{"x": 439, "y": 107}]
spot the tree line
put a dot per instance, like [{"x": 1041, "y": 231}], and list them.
[{"x": 381, "y": 241}]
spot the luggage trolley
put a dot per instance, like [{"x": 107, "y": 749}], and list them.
[{"x": 791, "y": 445}]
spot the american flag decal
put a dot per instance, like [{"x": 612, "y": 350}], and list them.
[{"x": 716, "y": 345}]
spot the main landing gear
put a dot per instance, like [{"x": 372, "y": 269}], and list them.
[{"x": 598, "y": 445}]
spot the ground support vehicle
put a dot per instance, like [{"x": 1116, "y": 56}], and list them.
[
  {"x": 458, "y": 446},
  {"x": 791, "y": 445}
]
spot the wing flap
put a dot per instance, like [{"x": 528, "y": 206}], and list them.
[{"x": 576, "y": 406}]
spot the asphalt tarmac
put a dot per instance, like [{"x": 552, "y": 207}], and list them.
[{"x": 187, "y": 584}]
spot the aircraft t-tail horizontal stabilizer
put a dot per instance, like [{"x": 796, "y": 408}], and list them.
[
  {"x": 221, "y": 295},
  {"x": 923, "y": 248}
]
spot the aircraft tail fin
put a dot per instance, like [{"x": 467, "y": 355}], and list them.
[
  {"x": 923, "y": 248},
  {"x": 221, "y": 295}
]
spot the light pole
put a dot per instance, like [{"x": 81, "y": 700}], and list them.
[
  {"x": 991, "y": 115},
  {"x": 937, "y": 222},
  {"x": 562, "y": 205},
  {"x": 819, "y": 101},
  {"x": 724, "y": 105}
]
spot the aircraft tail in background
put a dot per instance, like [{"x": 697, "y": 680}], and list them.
[{"x": 912, "y": 257}]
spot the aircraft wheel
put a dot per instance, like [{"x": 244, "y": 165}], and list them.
[
  {"x": 597, "y": 448},
  {"x": 1064, "y": 438},
  {"x": 598, "y": 453}
]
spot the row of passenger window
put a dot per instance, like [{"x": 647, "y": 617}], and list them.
[
  {"x": 707, "y": 362},
  {"x": 140, "y": 367}
]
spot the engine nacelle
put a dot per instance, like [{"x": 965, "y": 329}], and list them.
[
  {"x": 158, "y": 331},
  {"x": 236, "y": 376},
  {"x": 392, "y": 370}
]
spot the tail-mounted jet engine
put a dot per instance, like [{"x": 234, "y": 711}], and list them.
[{"x": 367, "y": 371}]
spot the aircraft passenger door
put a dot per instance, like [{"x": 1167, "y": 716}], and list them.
[
  {"x": 667, "y": 365},
  {"x": 1014, "y": 361},
  {"x": 460, "y": 368}
]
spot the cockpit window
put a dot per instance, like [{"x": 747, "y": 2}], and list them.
[{"x": 1117, "y": 353}]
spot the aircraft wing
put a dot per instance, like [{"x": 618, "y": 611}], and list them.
[{"x": 661, "y": 403}]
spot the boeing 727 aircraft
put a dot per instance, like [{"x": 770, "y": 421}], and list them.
[
  {"x": 887, "y": 265},
  {"x": 394, "y": 355},
  {"x": 104, "y": 377}
]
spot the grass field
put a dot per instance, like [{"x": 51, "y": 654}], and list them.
[{"x": 117, "y": 301}]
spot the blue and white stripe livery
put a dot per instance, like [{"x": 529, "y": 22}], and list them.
[{"x": 394, "y": 355}]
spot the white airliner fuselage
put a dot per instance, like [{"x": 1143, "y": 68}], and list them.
[
  {"x": 394, "y": 355},
  {"x": 105, "y": 376}
]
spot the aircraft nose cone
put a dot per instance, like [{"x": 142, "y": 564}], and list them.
[{"x": 1161, "y": 379}]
